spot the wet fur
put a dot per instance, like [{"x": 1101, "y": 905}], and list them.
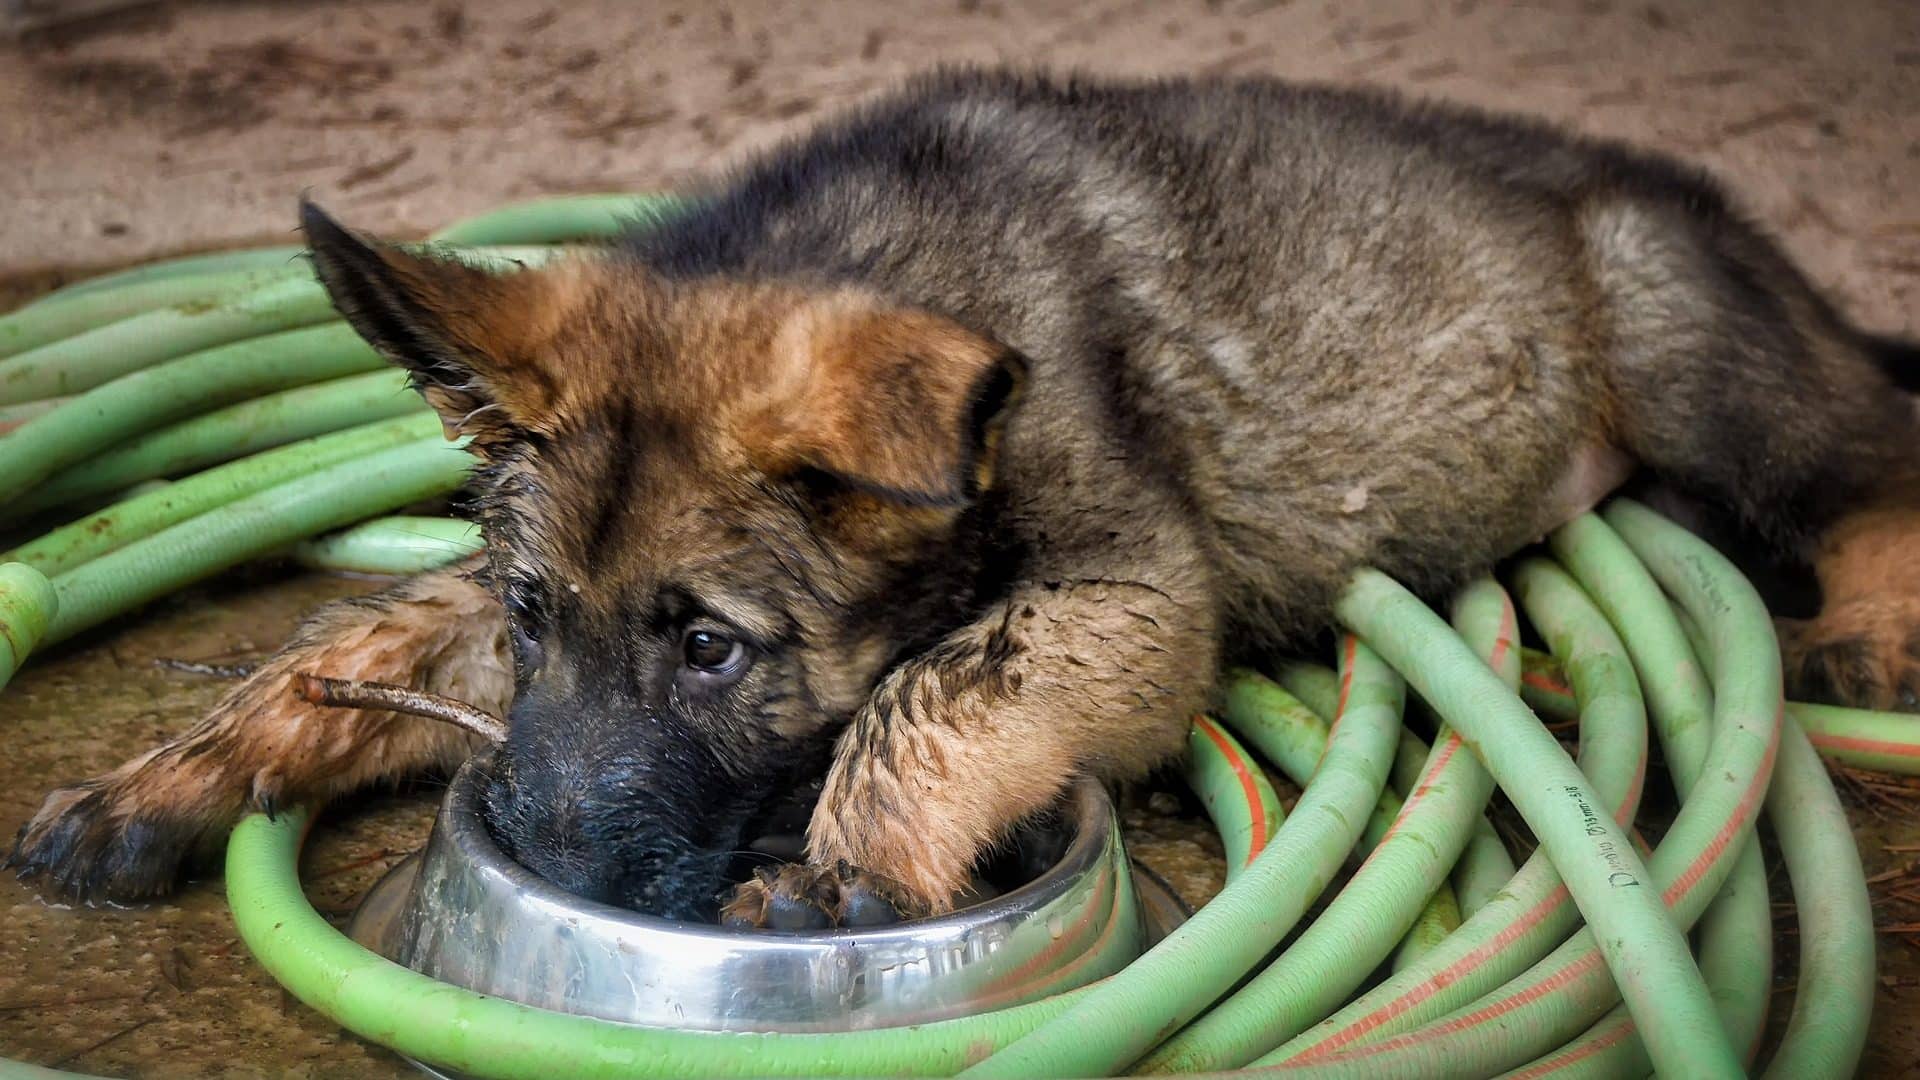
[{"x": 997, "y": 413}]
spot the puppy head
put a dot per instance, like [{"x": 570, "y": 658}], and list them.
[{"x": 715, "y": 513}]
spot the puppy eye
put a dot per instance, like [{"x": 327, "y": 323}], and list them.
[
  {"x": 523, "y": 622},
  {"x": 713, "y": 654}
]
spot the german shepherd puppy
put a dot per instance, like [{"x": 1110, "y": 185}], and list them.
[{"x": 951, "y": 449}]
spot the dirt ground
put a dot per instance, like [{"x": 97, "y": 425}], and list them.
[{"x": 194, "y": 125}]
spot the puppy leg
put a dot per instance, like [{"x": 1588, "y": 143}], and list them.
[
  {"x": 127, "y": 835},
  {"x": 1737, "y": 383},
  {"x": 1826, "y": 464},
  {"x": 1864, "y": 647},
  {"x": 1096, "y": 672}
]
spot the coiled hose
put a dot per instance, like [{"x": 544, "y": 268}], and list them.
[{"x": 159, "y": 371}]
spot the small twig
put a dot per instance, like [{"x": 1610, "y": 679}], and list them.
[
  {"x": 91, "y": 1047},
  {"x": 354, "y": 694},
  {"x": 196, "y": 667}
]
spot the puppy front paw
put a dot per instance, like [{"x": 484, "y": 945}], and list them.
[
  {"x": 797, "y": 897},
  {"x": 116, "y": 837},
  {"x": 129, "y": 834}
]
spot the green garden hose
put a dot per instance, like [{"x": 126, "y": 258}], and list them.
[
  {"x": 103, "y": 354},
  {"x": 1128, "y": 1014},
  {"x": 235, "y": 431},
  {"x": 1364, "y": 922},
  {"x": 1544, "y": 687},
  {"x": 1534, "y": 913},
  {"x": 1834, "y": 998},
  {"x": 67, "y": 315},
  {"x": 243, "y": 260},
  {"x": 1439, "y": 918},
  {"x": 144, "y": 400},
  {"x": 257, "y": 525},
  {"x": 1688, "y": 863},
  {"x": 71, "y": 546},
  {"x": 1742, "y": 731},
  {"x": 1484, "y": 869},
  {"x": 1887, "y": 741},
  {"x": 12, "y": 416},
  {"x": 392, "y": 545},
  {"x": 553, "y": 220},
  {"x": 27, "y": 605},
  {"x": 1295, "y": 730},
  {"x": 98, "y": 356},
  {"x": 558, "y": 220},
  {"x": 1294, "y": 738},
  {"x": 1736, "y": 932},
  {"x": 1316, "y": 685},
  {"x": 1864, "y": 738},
  {"x": 1238, "y": 798},
  {"x": 1642, "y": 945},
  {"x": 1482, "y": 613}
]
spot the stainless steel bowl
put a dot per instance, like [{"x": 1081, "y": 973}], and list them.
[{"x": 464, "y": 913}]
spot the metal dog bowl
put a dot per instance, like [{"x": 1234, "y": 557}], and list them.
[{"x": 462, "y": 912}]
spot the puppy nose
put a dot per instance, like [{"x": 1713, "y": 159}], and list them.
[{"x": 538, "y": 825}]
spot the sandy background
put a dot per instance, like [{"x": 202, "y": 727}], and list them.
[{"x": 192, "y": 126}]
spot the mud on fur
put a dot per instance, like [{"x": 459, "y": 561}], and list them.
[{"x": 950, "y": 449}]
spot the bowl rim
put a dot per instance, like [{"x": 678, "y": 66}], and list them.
[{"x": 1091, "y": 811}]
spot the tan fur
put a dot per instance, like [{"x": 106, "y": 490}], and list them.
[
  {"x": 513, "y": 318},
  {"x": 264, "y": 746},
  {"x": 1100, "y": 678},
  {"x": 1864, "y": 646},
  {"x": 877, "y": 394}
]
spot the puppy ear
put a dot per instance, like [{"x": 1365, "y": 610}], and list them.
[
  {"x": 469, "y": 336},
  {"x": 902, "y": 405}
]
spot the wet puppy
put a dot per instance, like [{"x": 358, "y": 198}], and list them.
[{"x": 949, "y": 450}]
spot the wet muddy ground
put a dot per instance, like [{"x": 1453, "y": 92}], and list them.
[
  {"x": 169, "y": 990},
  {"x": 181, "y": 127}
]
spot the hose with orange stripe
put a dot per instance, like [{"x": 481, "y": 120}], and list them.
[
  {"x": 1484, "y": 868},
  {"x": 1630, "y": 932},
  {"x": 1696, "y": 853},
  {"x": 1834, "y": 998},
  {"x": 1886, "y": 741},
  {"x": 1237, "y": 796},
  {"x": 1124, "y": 1017},
  {"x": 1534, "y": 912},
  {"x": 1863, "y": 738},
  {"x": 1293, "y": 736},
  {"x": 1736, "y": 932},
  {"x": 1359, "y": 929}
]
